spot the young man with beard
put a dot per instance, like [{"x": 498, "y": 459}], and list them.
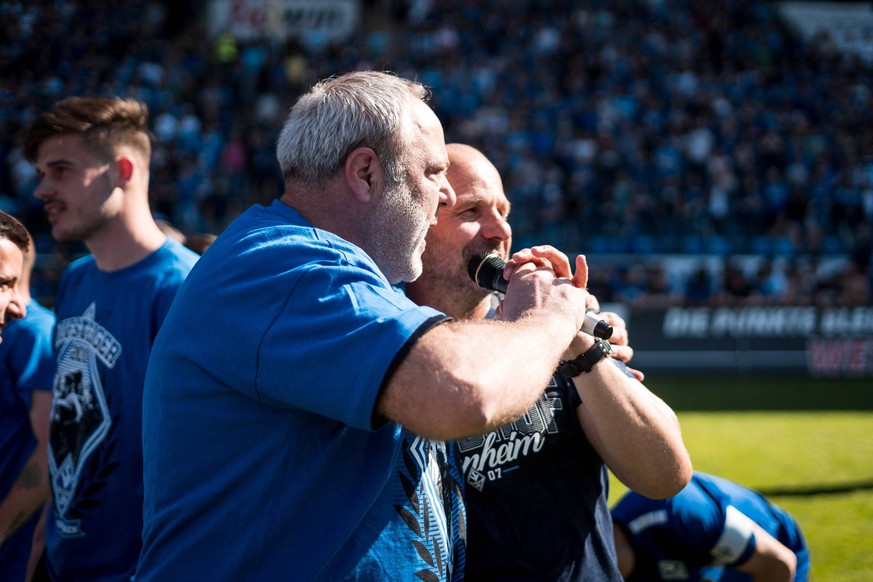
[
  {"x": 536, "y": 489},
  {"x": 92, "y": 157},
  {"x": 296, "y": 402}
]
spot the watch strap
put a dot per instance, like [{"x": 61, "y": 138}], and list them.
[{"x": 587, "y": 360}]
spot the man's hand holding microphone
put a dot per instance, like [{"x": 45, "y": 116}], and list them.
[{"x": 491, "y": 272}]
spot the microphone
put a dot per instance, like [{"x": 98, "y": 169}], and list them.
[{"x": 486, "y": 270}]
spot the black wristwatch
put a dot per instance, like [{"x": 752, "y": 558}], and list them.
[{"x": 586, "y": 361}]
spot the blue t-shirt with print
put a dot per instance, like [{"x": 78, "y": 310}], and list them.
[
  {"x": 106, "y": 323},
  {"x": 536, "y": 493},
  {"x": 262, "y": 442}
]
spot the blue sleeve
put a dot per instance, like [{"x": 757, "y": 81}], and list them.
[
  {"x": 697, "y": 519},
  {"x": 31, "y": 353},
  {"x": 356, "y": 330}
]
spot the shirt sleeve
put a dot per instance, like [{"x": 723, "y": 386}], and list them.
[
  {"x": 32, "y": 352},
  {"x": 340, "y": 336},
  {"x": 737, "y": 541}
]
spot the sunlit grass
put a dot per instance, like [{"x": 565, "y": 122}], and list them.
[{"x": 816, "y": 465}]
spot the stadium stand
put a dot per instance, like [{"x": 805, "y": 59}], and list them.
[{"x": 698, "y": 152}]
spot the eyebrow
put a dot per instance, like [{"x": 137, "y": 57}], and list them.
[{"x": 59, "y": 162}]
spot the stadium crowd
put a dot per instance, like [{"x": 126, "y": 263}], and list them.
[{"x": 630, "y": 130}]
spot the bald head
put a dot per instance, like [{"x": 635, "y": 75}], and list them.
[
  {"x": 469, "y": 166},
  {"x": 476, "y": 223}
]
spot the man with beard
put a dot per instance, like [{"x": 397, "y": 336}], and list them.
[
  {"x": 536, "y": 489},
  {"x": 297, "y": 403},
  {"x": 92, "y": 156}
]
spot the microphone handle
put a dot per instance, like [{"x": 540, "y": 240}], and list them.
[{"x": 595, "y": 326}]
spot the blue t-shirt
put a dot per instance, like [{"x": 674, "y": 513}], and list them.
[
  {"x": 536, "y": 494},
  {"x": 106, "y": 323},
  {"x": 26, "y": 364},
  {"x": 264, "y": 456},
  {"x": 706, "y": 524}
]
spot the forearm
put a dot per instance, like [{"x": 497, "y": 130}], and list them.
[
  {"x": 771, "y": 561},
  {"x": 636, "y": 434},
  {"x": 27, "y": 495},
  {"x": 466, "y": 378},
  {"x": 37, "y": 545}
]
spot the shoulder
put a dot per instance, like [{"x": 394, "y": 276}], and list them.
[
  {"x": 175, "y": 253},
  {"x": 35, "y": 329},
  {"x": 80, "y": 267},
  {"x": 80, "y": 273},
  {"x": 278, "y": 242},
  {"x": 39, "y": 315}
]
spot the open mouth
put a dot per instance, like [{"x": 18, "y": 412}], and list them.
[{"x": 53, "y": 209}]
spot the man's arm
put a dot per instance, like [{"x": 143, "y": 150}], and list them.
[
  {"x": 30, "y": 489},
  {"x": 772, "y": 561},
  {"x": 636, "y": 434},
  {"x": 465, "y": 378},
  {"x": 37, "y": 545}
]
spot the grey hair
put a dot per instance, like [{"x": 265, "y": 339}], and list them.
[{"x": 341, "y": 113}]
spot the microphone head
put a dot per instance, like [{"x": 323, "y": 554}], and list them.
[{"x": 486, "y": 269}]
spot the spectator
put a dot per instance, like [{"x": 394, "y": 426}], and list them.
[
  {"x": 92, "y": 155},
  {"x": 26, "y": 385},
  {"x": 625, "y": 96},
  {"x": 25, "y": 399}
]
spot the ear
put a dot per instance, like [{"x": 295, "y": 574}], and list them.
[
  {"x": 364, "y": 174},
  {"x": 125, "y": 169}
]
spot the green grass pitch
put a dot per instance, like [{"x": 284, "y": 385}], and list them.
[{"x": 806, "y": 443}]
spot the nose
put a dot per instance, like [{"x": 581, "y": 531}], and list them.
[
  {"x": 43, "y": 189},
  {"x": 16, "y": 308},
  {"x": 496, "y": 227},
  {"x": 447, "y": 193}
]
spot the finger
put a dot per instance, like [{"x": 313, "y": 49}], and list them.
[
  {"x": 619, "y": 328},
  {"x": 559, "y": 261},
  {"x": 593, "y": 304},
  {"x": 580, "y": 277},
  {"x": 612, "y": 318},
  {"x": 523, "y": 257},
  {"x": 636, "y": 373},
  {"x": 622, "y": 353}
]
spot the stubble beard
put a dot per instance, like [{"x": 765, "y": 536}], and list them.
[
  {"x": 445, "y": 282},
  {"x": 77, "y": 226},
  {"x": 397, "y": 232}
]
